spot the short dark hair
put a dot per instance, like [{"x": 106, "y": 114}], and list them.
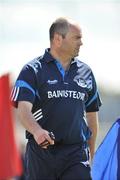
[{"x": 60, "y": 26}]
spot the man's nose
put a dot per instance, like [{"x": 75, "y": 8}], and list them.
[{"x": 81, "y": 43}]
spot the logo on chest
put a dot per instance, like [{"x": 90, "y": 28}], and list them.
[
  {"x": 52, "y": 81},
  {"x": 80, "y": 82}
]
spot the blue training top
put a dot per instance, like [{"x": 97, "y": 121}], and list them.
[{"x": 60, "y": 98}]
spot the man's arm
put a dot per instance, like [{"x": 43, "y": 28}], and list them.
[
  {"x": 92, "y": 119},
  {"x": 26, "y": 118}
]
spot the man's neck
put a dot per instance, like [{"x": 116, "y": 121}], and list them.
[{"x": 64, "y": 60}]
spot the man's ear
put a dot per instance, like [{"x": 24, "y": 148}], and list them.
[{"x": 58, "y": 39}]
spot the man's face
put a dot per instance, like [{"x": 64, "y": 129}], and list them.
[{"x": 71, "y": 43}]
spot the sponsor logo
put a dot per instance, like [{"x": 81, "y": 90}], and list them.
[{"x": 66, "y": 94}]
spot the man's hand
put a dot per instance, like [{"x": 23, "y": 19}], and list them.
[
  {"x": 44, "y": 138},
  {"x": 46, "y": 142}
]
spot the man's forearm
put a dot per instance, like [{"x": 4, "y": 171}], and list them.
[
  {"x": 26, "y": 118},
  {"x": 92, "y": 119}
]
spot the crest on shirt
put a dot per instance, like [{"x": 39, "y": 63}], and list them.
[{"x": 80, "y": 82}]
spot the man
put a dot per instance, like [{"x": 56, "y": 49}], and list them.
[{"x": 57, "y": 93}]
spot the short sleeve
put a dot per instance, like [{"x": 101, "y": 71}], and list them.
[
  {"x": 25, "y": 86},
  {"x": 94, "y": 101}
]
